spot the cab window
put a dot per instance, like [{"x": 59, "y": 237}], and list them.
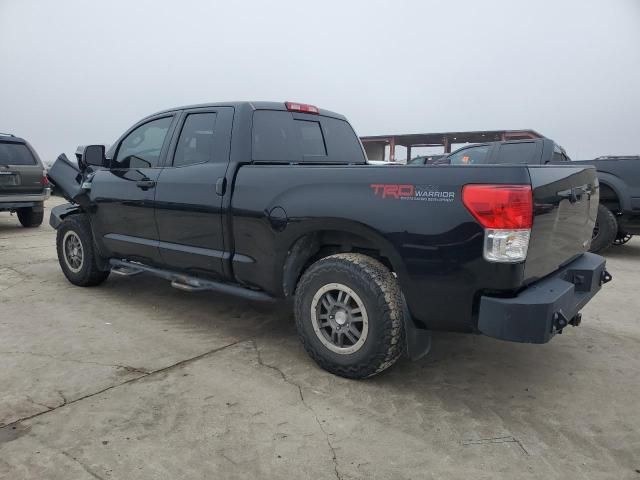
[
  {"x": 142, "y": 147},
  {"x": 470, "y": 156},
  {"x": 195, "y": 144}
]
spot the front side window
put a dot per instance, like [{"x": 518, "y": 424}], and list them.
[
  {"x": 470, "y": 156},
  {"x": 142, "y": 147},
  {"x": 195, "y": 144},
  {"x": 15, "y": 154}
]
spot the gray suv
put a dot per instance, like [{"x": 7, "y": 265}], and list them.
[{"x": 23, "y": 184}]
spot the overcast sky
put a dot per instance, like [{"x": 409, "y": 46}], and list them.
[{"x": 77, "y": 72}]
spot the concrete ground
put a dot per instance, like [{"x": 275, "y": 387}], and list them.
[{"x": 136, "y": 380}]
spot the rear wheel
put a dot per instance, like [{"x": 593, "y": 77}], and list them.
[
  {"x": 622, "y": 237},
  {"x": 605, "y": 230},
  {"x": 29, "y": 218},
  {"x": 349, "y": 315},
  {"x": 76, "y": 253}
]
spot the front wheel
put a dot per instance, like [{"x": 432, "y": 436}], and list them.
[
  {"x": 349, "y": 315},
  {"x": 76, "y": 253}
]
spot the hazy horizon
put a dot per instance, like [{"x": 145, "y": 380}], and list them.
[{"x": 78, "y": 72}]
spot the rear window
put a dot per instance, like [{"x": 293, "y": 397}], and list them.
[
  {"x": 15, "y": 154},
  {"x": 559, "y": 155},
  {"x": 520, "y": 152},
  {"x": 282, "y": 137}
]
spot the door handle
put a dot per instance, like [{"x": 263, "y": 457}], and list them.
[
  {"x": 145, "y": 184},
  {"x": 221, "y": 186}
]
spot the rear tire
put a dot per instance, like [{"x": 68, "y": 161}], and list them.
[
  {"x": 605, "y": 231},
  {"x": 29, "y": 218},
  {"x": 622, "y": 237},
  {"x": 349, "y": 315},
  {"x": 76, "y": 252}
]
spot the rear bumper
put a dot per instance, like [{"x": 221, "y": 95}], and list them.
[
  {"x": 13, "y": 202},
  {"x": 544, "y": 308}
]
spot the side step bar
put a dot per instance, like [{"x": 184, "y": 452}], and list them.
[
  {"x": 188, "y": 283},
  {"x": 126, "y": 271}
]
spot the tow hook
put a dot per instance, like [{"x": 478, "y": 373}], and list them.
[
  {"x": 605, "y": 277},
  {"x": 560, "y": 321},
  {"x": 577, "y": 320}
]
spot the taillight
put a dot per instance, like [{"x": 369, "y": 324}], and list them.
[
  {"x": 301, "y": 107},
  {"x": 44, "y": 181},
  {"x": 506, "y": 213}
]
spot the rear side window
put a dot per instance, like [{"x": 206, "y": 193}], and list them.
[
  {"x": 520, "y": 152},
  {"x": 15, "y": 154},
  {"x": 195, "y": 144},
  {"x": 280, "y": 137}
]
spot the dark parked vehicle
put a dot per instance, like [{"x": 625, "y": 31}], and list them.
[
  {"x": 425, "y": 159},
  {"x": 619, "y": 210},
  {"x": 23, "y": 184},
  {"x": 275, "y": 200},
  {"x": 620, "y": 194}
]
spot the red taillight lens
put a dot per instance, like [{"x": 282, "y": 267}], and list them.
[
  {"x": 500, "y": 206},
  {"x": 301, "y": 107},
  {"x": 44, "y": 181}
]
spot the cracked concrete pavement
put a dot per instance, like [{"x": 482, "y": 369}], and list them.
[{"x": 136, "y": 380}]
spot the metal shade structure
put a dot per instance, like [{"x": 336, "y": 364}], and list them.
[{"x": 375, "y": 145}]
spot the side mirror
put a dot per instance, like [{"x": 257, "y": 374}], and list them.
[{"x": 94, "y": 155}]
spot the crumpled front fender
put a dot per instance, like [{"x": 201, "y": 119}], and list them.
[{"x": 60, "y": 212}]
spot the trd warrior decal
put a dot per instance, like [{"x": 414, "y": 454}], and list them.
[{"x": 425, "y": 193}]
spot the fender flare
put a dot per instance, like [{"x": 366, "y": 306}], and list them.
[
  {"x": 60, "y": 212},
  {"x": 305, "y": 242},
  {"x": 618, "y": 187}
]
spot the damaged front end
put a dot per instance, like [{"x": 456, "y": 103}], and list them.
[{"x": 73, "y": 182}]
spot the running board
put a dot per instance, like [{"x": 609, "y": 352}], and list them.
[
  {"x": 126, "y": 271},
  {"x": 188, "y": 283}
]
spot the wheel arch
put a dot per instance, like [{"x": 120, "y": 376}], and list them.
[
  {"x": 611, "y": 192},
  {"x": 60, "y": 212},
  {"x": 320, "y": 241}
]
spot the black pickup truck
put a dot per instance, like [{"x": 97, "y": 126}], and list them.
[
  {"x": 619, "y": 177},
  {"x": 275, "y": 200}
]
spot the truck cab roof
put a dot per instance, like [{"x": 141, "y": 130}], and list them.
[{"x": 252, "y": 105}]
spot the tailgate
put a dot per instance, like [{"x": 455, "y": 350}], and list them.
[{"x": 565, "y": 208}]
